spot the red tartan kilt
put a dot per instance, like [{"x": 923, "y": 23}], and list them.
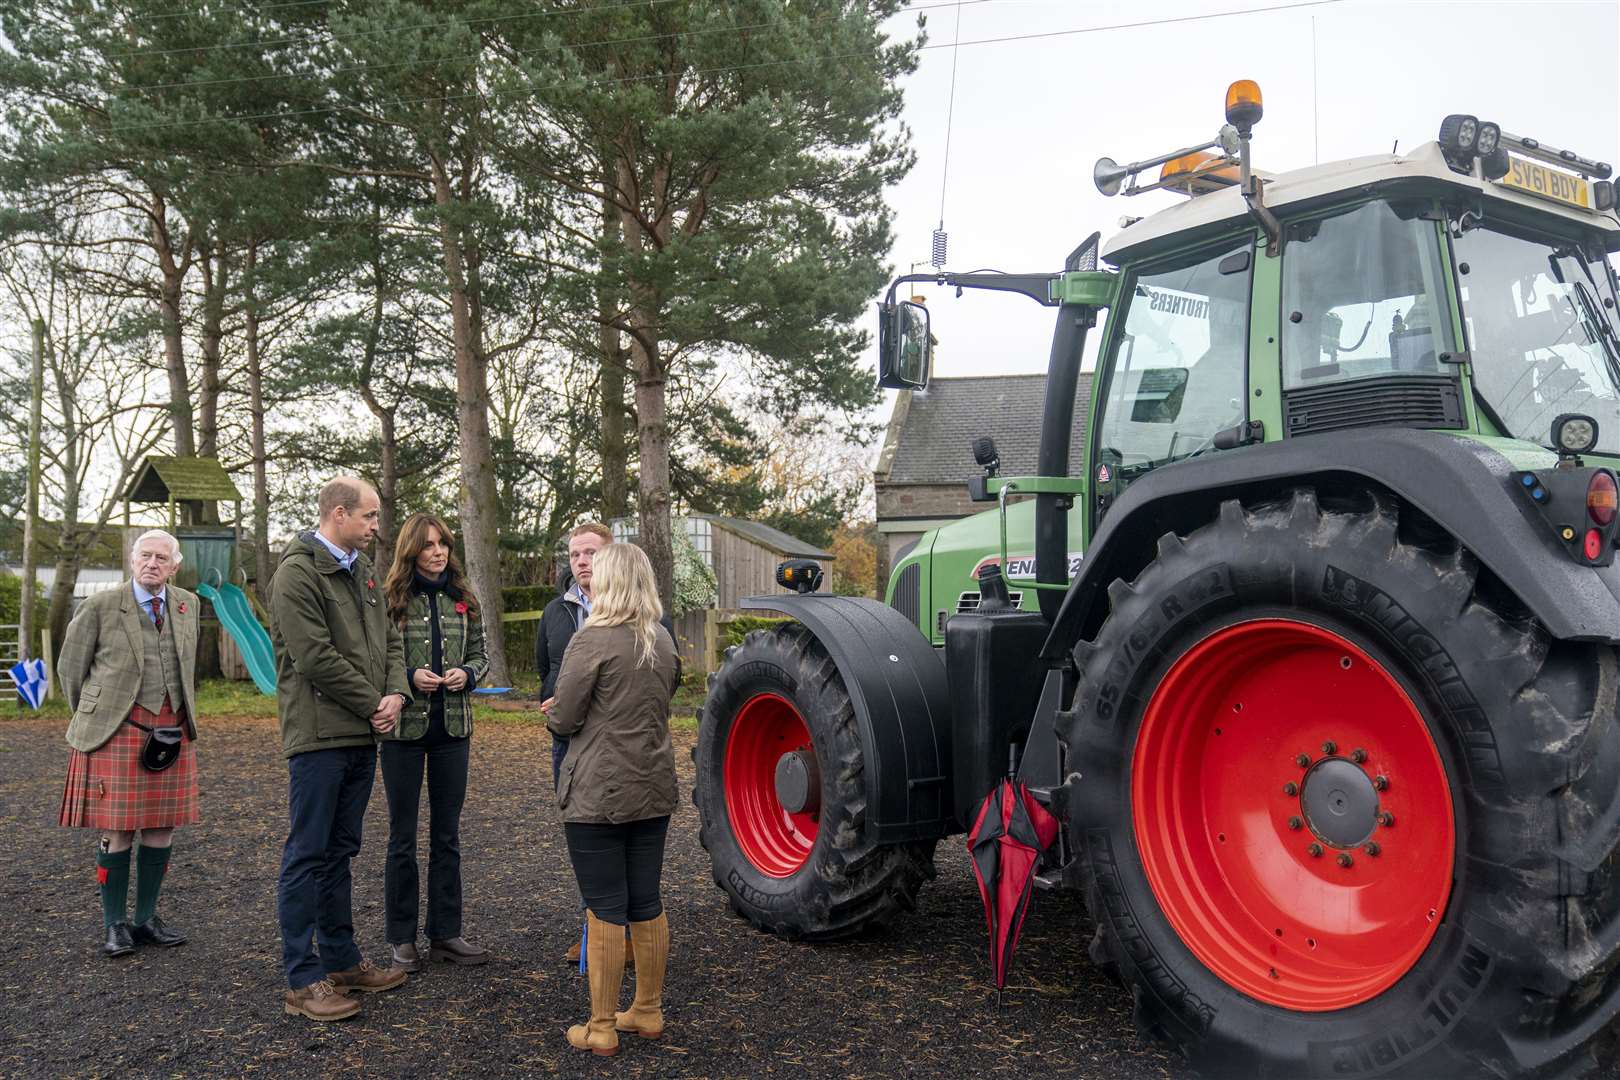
[{"x": 110, "y": 789}]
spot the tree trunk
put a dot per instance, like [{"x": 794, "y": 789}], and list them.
[
  {"x": 263, "y": 566},
  {"x": 388, "y": 480},
  {"x": 174, "y": 350},
  {"x": 615, "y": 455},
  {"x": 479, "y": 512},
  {"x": 216, "y": 280}
]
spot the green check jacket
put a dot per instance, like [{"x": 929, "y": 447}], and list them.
[{"x": 463, "y": 647}]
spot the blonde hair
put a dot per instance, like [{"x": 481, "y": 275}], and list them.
[{"x": 624, "y": 593}]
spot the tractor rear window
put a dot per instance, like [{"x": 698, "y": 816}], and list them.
[
  {"x": 1363, "y": 296},
  {"x": 1541, "y": 331}
]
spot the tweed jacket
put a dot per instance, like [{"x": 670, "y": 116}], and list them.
[
  {"x": 620, "y": 765},
  {"x": 100, "y": 665},
  {"x": 461, "y": 639}
]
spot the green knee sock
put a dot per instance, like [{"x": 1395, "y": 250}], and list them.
[
  {"x": 112, "y": 875},
  {"x": 149, "y": 881}
]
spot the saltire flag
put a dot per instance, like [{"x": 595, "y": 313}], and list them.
[{"x": 29, "y": 675}]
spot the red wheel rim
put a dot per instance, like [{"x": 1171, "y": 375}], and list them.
[
  {"x": 776, "y": 841},
  {"x": 1225, "y": 815}
]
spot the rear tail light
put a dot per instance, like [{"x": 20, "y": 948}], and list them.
[
  {"x": 1593, "y": 545},
  {"x": 1601, "y": 499}
]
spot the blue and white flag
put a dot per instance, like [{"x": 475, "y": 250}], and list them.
[{"x": 29, "y": 676}]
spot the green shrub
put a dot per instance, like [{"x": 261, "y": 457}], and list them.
[
  {"x": 520, "y": 636},
  {"x": 743, "y": 625}
]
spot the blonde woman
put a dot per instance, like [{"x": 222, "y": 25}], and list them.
[{"x": 617, "y": 789}]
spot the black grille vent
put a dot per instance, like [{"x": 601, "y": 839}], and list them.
[
  {"x": 905, "y": 592},
  {"x": 1400, "y": 401}
]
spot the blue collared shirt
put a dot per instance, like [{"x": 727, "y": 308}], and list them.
[
  {"x": 144, "y": 598},
  {"x": 577, "y": 595},
  {"x": 345, "y": 559}
]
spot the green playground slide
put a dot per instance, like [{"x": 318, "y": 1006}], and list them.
[{"x": 231, "y": 605}]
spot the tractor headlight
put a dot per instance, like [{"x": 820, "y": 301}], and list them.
[
  {"x": 1603, "y": 194},
  {"x": 1574, "y": 433},
  {"x": 1458, "y": 133},
  {"x": 1489, "y": 137},
  {"x": 1495, "y": 165}
]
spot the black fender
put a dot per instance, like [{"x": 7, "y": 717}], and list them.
[
  {"x": 1461, "y": 483},
  {"x": 896, "y": 683}
]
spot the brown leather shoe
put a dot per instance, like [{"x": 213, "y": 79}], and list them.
[
  {"x": 458, "y": 950},
  {"x": 319, "y": 1001},
  {"x": 407, "y": 959},
  {"x": 572, "y": 955},
  {"x": 367, "y": 978}
]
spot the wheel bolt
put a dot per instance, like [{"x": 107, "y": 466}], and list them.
[
  {"x": 1315, "y": 850},
  {"x": 1380, "y": 782},
  {"x": 1358, "y": 755},
  {"x": 1295, "y": 823},
  {"x": 1290, "y": 788},
  {"x": 1329, "y": 747},
  {"x": 1386, "y": 819},
  {"x": 1302, "y": 760},
  {"x": 1372, "y": 848},
  {"x": 1345, "y": 860}
]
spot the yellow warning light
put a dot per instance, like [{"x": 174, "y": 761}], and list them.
[
  {"x": 1183, "y": 173},
  {"x": 1244, "y": 106}
]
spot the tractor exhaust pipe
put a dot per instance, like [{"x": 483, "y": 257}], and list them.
[{"x": 1057, "y": 428}]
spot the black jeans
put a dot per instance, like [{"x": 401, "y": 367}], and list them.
[
  {"x": 327, "y": 792},
  {"x": 618, "y": 867},
  {"x": 445, "y": 760}
]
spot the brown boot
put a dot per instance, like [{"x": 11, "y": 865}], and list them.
[
  {"x": 650, "y": 942},
  {"x": 572, "y": 955},
  {"x": 367, "y": 978},
  {"x": 319, "y": 1001},
  {"x": 604, "y": 958}
]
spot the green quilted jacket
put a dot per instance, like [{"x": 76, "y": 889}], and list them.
[{"x": 463, "y": 644}]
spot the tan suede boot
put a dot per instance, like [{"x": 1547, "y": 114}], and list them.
[
  {"x": 604, "y": 958},
  {"x": 650, "y": 942}
]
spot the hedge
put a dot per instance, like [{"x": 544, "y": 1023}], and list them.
[
  {"x": 741, "y": 626},
  {"x": 520, "y": 636}
]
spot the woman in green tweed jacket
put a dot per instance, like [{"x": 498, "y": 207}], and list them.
[{"x": 428, "y": 598}]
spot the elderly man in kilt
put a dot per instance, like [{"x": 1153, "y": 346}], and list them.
[
  {"x": 128, "y": 670},
  {"x": 340, "y": 682}
]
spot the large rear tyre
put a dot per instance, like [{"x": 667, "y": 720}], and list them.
[
  {"x": 1345, "y": 811},
  {"x": 781, "y": 796}
]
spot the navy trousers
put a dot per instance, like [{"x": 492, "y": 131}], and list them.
[
  {"x": 445, "y": 761},
  {"x": 327, "y": 792}
]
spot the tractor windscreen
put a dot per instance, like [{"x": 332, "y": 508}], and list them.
[
  {"x": 1363, "y": 296},
  {"x": 1541, "y": 321}
]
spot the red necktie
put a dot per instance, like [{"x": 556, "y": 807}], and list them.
[{"x": 157, "y": 613}]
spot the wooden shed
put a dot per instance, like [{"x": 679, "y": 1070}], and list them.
[{"x": 743, "y": 554}]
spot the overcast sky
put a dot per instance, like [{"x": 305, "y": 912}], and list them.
[{"x": 1032, "y": 116}]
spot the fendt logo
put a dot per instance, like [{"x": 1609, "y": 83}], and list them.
[{"x": 1021, "y": 566}]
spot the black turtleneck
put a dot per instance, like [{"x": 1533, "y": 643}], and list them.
[{"x": 430, "y": 587}]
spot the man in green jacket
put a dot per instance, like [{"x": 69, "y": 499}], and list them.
[{"x": 340, "y": 682}]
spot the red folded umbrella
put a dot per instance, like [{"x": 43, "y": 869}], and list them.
[{"x": 1008, "y": 837}]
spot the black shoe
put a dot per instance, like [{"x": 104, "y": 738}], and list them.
[
  {"x": 119, "y": 940},
  {"x": 153, "y": 932}
]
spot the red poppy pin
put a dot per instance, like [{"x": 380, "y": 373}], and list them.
[
  {"x": 181, "y": 607},
  {"x": 370, "y": 584},
  {"x": 461, "y": 607}
]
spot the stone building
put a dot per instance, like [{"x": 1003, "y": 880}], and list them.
[{"x": 927, "y": 456}]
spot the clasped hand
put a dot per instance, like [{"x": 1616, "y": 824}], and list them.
[
  {"x": 427, "y": 681},
  {"x": 387, "y": 713}
]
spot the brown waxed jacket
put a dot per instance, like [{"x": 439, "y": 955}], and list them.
[{"x": 620, "y": 765}]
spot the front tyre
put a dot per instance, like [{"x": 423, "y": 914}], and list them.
[
  {"x": 1342, "y": 809},
  {"x": 781, "y": 796}
]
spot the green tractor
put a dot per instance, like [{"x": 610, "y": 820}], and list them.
[{"x": 1316, "y": 659}]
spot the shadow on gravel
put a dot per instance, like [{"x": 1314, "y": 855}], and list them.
[{"x": 740, "y": 1004}]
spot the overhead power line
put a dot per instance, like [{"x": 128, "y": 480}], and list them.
[{"x": 289, "y": 114}]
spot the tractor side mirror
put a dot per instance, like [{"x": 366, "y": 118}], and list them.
[{"x": 905, "y": 347}]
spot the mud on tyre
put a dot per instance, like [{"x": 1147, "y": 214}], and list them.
[
  {"x": 1346, "y": 809},
  {"x": 804, "y": 869}
]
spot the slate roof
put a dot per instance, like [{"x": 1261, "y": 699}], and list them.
[
  {"x": 163, "y": 479},
  {"x": 765, "y": 536},
  {"x": 938, "y": 425}
]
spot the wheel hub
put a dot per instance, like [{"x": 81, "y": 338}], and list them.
[
  {"x": 1340, "y": 802},
  {"x": 798, "y": 782}
]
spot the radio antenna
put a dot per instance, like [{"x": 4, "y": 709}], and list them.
[{"x": 938, "y": 254}]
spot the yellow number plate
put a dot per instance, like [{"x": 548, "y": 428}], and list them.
[{"x": 1527, "y": 176}]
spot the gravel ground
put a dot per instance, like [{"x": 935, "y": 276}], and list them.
[{"x": 914, "y": 1002}]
